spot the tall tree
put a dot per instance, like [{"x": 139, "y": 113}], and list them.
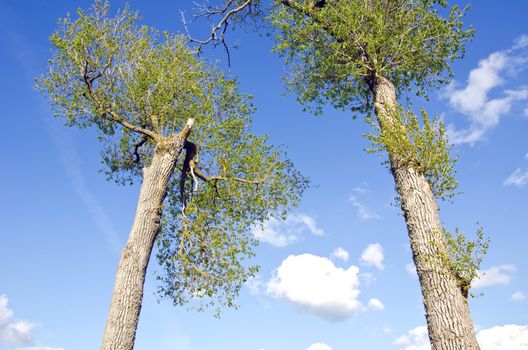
[
  {"x": 151, "y": 99},
  {"x": 363, "y": 54}
]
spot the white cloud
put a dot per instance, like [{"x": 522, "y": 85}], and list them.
[
  {"x": 415, "y": 339},
  {"x": 39, "y": 348},
  {"x": 12, "y": 332},
  {"x": 363, "y": 212},
  {"x": 473, "y": 100},
  {"x": 6, "y": 314},
  {"x": 16, "y": 333},
  {"x": 492, "y": 276},
  {"x": 316, "y": 285},
  {"x": 375, "y": 304},
  {"x": 517, "y": 178},
  {"x": 319, "y": 346},
  {"x": 282, "y": 233},
  {"x": 411, "y": 270},
  {"x": 507, "y": 337},
  {"x": 340, "y": 253},
  {"x": 373, "y": 256},
  {"x": 518, "y": 296}
]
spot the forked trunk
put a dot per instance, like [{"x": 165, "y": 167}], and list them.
[
  {"x": 448, "y": 318},
  {"x": 123, "y": 316}
]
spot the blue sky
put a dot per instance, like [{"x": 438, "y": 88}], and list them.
[{"x": 335, "y": 275}]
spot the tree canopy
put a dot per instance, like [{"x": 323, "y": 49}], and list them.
[
  {"x": 137, "y": 86},
  {"x": 335, "y": 48}
]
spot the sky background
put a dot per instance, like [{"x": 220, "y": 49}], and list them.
[{"x": 335, "y": 275}]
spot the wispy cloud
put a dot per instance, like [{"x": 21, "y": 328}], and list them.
[
  {"x": 518, "y": 178},
  {"x": 72, "y": 164},
  {"x": 16, "y": 333},
  {"x": 493, "y": 276},
  {"x": 484, "y": 113},
  {"x": 363, "y": 212},
  {"x": 411, "y": 270},
  {"x": 281, "y": 233}
]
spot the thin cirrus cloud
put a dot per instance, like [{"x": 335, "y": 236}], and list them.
[
  {"x": 363, "y": 212},
  {"x": 494, "y": 276},
  {"x": 281, "y": 233},
  {"x": 506, "y": 337},
  {"x": 373, "y": 256},
  {"x": 473, "y": 100},
  {"x": 16, "y": 333},
  {"x": 518, "y": 178},
  {"x": 315, "y": 285}
]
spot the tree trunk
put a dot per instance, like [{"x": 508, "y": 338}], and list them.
[
  {"x": 446, "y": 310},
  {"x": 123, "y": 316}
]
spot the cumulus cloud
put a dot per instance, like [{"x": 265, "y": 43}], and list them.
[
  {"x": 373, "y": 256},
  {"x": 518, "y": 178},
  {"x": 473, "y": 100},
  {"x": 518, "y": 296},
  {"x": 493, "y": 276},
  {"x": 316, "y": 285},
  {"x": 340, "y": 253},
  {"x": 319, "y": 346},
  {"x": 507, "y": 337},
  {"x": 16, "y": 333},
  {"x": 375, "y": 304},
  {"x": 415, "y": 339},
  {"x": 13, "y": 333},
  {"x": 281, "y": 233}
]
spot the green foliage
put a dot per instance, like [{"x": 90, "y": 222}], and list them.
[
  {"x": 466, "y": 256},
  {"x": 421, "y": 144},
  {"x": 335, "y": 51},
  {"x": 137, "y": 87}
]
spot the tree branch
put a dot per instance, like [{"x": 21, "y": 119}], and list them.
[
  {"x": 217, "y": 36},
  {"x": 109, "y": 114}
]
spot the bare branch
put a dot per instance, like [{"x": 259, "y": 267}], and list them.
[{"x": 218, "y": 31}]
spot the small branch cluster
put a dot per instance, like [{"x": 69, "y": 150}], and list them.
[
  {"x": 420, "y": 144},
  {"x": 220, "y": 18}
]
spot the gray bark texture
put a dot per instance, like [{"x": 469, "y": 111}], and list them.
[
  {"x": 123, "y": 316},
  {"x": 446, "y": 310}
]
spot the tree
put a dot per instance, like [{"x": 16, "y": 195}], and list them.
[
  {"x": 363, "y": 55},
  {"x": 150, "y": 99}
]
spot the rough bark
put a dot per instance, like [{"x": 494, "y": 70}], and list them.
[
  {"x": 447, "y": 313},
  {"x": 123, "y": 316}
]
